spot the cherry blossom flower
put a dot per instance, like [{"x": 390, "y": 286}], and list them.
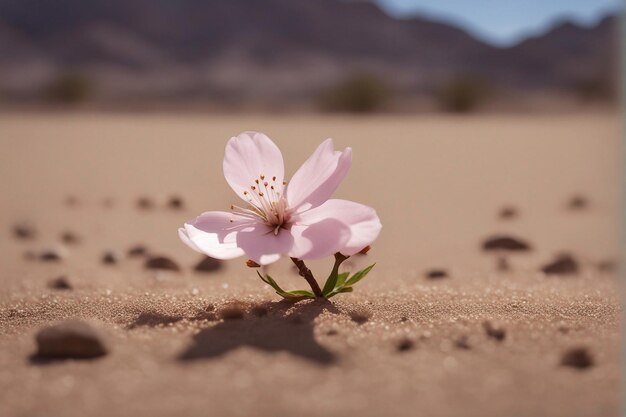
[{"x": 296, "y": 218}]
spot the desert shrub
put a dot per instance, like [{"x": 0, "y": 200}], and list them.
[
  {"x": 462, "y": 94},
  {"x": 68, "y": 89},
  {"x": 359, "y": 93},
  {"x": 595, "y": 89}
]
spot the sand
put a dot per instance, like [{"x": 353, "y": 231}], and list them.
[{"x": 401, "y": 345}]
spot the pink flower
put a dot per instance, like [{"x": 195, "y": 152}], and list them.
[{"x": 297, "y": 220}]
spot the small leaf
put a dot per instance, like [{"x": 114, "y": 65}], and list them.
[
  {"x": 359, "y": 275},
  {"x": 341, "y": 279},
  {"x": 290, "y": 295},
  {"x": 340, "y": 290},
  {"x": 302, "y": 293}
]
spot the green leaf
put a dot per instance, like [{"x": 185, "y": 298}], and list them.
[
  {"x": 341, "y": 279},
  {"x": 290, "y": 295},
  {"x": 331, "y": 282},
  {"x": 359, "y": 276},
  {"x": 302, "y": 293},
  {"x": 339, "y": 291}
]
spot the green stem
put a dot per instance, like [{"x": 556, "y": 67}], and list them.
[{"x": 308, "y": 275}]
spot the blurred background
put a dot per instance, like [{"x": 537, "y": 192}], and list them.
[
  {"x": 323, "y": 55},
  {"x": 486, "y": 134}
]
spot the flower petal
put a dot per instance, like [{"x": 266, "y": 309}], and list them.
[
  {"x": 247, "y": 157},
  {"x": 261, "y": 244},
  {"x": 318, "y": 240},
  {"x": 362, "y": 221},
  {"x": 213, "y": 234},
  {"x": 318, "y": 178}
]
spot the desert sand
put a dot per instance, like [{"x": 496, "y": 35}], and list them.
[{"x": 402, "y": 344}]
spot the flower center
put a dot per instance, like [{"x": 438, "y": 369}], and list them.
[{"x": 266, "y": 203}]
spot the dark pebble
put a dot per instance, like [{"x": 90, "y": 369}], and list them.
[
  {"x": 69, "y": 238},
  {"x": 162, "y": 263},
  {"x": 579, "y": 358},
  {"x": 507, "y": 213},
  {"x": 436, "y": 274},
  {"x": 109, "y": 258},
  {"x": 405, "y": 345},
  {"x": 70, "y": 339},
  {"x": 208, "y": 264},
  {"x": 578, "y": 202},
  {"x": 260, "y": 311},
  {"x": 60, "y": 283},
  {"x": 144, "y": 203},
  {"x": 24, "y": 231},
  {"x": 176, "y": 203},
  {"x": 462, "y": 343},
  {"x": 137, "y": 251},
  {"x": 494, "y": 332},
  {"x": 360, "y": 316},
  {"x": 563, "y": 265},
  {"x": 332, "y": 332},
  {"x": 507, "y": 243},
  {"x": 50, "y": 255},
  {"x": 232, "y": 312}
]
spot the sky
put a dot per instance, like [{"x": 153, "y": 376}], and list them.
[{"x": 504, "y": 22}]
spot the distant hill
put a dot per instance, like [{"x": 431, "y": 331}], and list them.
[{"x": 266, "y": 49}]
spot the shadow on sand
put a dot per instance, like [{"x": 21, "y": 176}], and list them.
[{"x": 286, "y": 327}]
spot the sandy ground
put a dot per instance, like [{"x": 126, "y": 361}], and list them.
[{"x": 437, "y": 183}]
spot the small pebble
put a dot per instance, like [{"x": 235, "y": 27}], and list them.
[
  {"x": 208, "y": 264},
  {"x": 507, "y": 213},
  {"x": 579, "y": 358},
  {"x": 578, "y": 202},
  {"x": 175, "y": 203},
  {"x": 137, "y": 251},
  {"x": 60, "y": 283},
  {"x": 462, "y": 342},
  {"x": 70, "y": 339},
  {"x": 162, "y": 263},
  {"x": 360, "y": 315},
  {"x": 260, "y": 311},
  {"x": 436, "y": 274},
  {"x": 69, "y": 238},
  {"x": 145, "y": 203},
  {"x": 405, "y": 345},
  {"x": 50, "y": 255},
  {"x": 24, "y": 231},
  {"x": 507, "y": 243},
  {"x": 109, "y": 258},
  {"x": 494, "y": 332},
  {"x": 564, "y": 264},
  {"x": 232, "y": 312}
]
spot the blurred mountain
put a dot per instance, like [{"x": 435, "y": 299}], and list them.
[{"x": 264, "y": 49}]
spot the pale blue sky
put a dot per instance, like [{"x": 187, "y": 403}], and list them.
[{"x": 504, "y": 22}]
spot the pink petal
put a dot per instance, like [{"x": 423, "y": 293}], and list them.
[
  {"x": 261, "y": 244},
  {"x": 319, "y": 239},
  {"x": 318, "y": 178},
  {"x": 362, "y": 221},
  {"x": 249, "y": 156},
  {"x": 213, "y": 234}
]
